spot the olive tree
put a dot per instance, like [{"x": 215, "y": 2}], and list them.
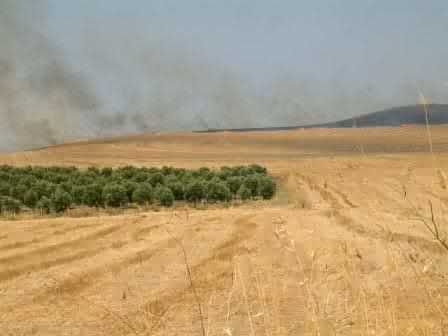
[
  {"x": 266, "y": 187},
  {"x": 165, "y": 196},
  {"x": 218, "y": 191},
  {"x": 195, "y": 191},
  {"x": 143, "y": 194},
  {"x": 61, "y": 200},
  {"x": 114, "y": 195},
  {"x": 30, "y": 198}
]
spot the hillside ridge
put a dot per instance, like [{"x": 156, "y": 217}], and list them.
[{"x": 392, "y": 117}]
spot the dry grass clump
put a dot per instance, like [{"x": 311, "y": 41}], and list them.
[
  {"x": 434, "y": 226},
  {"x": 442, "y": 179}
]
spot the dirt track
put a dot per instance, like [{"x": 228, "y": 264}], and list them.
[{"x": 341, "y": 251}]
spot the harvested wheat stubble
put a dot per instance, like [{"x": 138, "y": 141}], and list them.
[{"x": 339, "y": 251}]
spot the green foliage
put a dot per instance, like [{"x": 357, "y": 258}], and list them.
[
  {"x": 204, "y": 171},
  {"x": 28, "y": 181},
  {"x": 56, "y": 177},
  {"x": 79, "y": 194},
  {"x": 18, "y": 191},
  {"x": 60, "y": 187},
  {"x": 225, "y": 173},
  {"x": 177, "y": 189},
  {"x": 167, "y": 170},
  {"x": 61, "y": 200},
  {"x": 31, "y": 198},
  {"x": 93, "y": 195},
  {"x": 205, "y": 174},
  {"x": 44, "y": 205},
  {"x": 107, "y": 172},
  {"x": 83, "y": 180},
  {"x": 141, "y": 177},
  {"x": 156, "y": 178},
  {"x": 66, "y": 186},
  {"x": 217, "y": 191},
  {"x": 165, "y": 196},
  {"x": 187, "y": 178},
  {"x": 143, "y": 194},
  {"x": 44, "y": 188},
  {"x": 234, "y": 183},
  {"x": 266, "y": 187},
  {"x": 241, "y": 171},
  {"x": 244, "y": 193},
  {"x": 10, "y": 205},
  {"x": 195, "y": 191},
  {"x": 251, "y": 183},
  {"x": 127, "y": 172},
  {"x": 114, "y": 195},
  {"x": 94, "y": 171},
  {"x": 130, "y": 187},
  {"x": 5, "y": 187},
  {"x": 257, "y": 169}
]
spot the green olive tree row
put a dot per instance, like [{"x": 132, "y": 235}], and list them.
[{"x": 56, "y": 189}]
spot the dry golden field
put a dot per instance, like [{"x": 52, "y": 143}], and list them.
[{"x": 343, "y": 249}]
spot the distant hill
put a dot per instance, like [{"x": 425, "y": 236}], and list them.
[
  {"x": 414, "y": 115},
  {"x": 393, "y": 117}
]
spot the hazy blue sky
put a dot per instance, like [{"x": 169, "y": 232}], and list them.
[
  {"x": 114, "y": 66},
  {"x": 361, "y": 41}
]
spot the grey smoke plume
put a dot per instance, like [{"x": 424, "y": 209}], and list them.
[
  {"x": 46, "y": 99},
  {"x": 42, "y": 101},
  {"x": 131, "y": 82}
]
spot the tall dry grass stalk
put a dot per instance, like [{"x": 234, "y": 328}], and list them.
[
  {"x": 246, "y": 300},
  {"x": 189, "y": 272},
  {"x": 423, "y": 101},
  {"x": 289, "y": 244},
  {"x": 262, "y": 297},
  {"x": 361, "y": 145},
  {"x": 442, "y": 179},
  {"x": 433, "y": 226},
  {"x": 228, "y": 329},
  {"x": 440, "y": 173}
]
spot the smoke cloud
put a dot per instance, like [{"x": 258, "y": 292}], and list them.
[
  {"x": 131, "y": 82},
  {"x": 41, "y": 99}
]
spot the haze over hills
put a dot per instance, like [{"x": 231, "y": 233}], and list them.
[
  {"x": 414, "y": 114},
  {"x": 396, "y": 116}
]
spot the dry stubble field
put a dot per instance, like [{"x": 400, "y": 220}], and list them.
[{"x": 342, "y": 250}]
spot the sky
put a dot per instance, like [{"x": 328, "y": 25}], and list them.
[
  {"x": 172, "y": 64},
  {"x": 360, "y": 41}
]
